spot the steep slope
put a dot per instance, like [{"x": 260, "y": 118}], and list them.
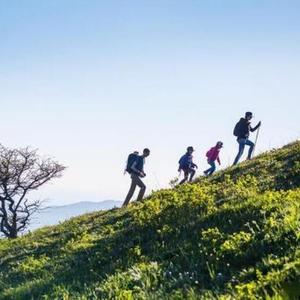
[
  {"x": 276, "y": 169},
  {"x": 232, "y": 236}
]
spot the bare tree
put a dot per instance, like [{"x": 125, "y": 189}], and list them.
[{"x": 21, "y": 171}]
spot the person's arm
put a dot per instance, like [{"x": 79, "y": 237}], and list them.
[
  {"x": 218, "y": 160},
  {"x": 256, "y": 127},
  {"x": 133, "y": 168}
]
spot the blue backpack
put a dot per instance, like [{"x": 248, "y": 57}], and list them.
[
  {"x": 184, "y": 162},
  {"x": 132, "y": 157}
]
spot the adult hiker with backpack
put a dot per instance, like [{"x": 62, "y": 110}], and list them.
[
  {"x": 242, "y": 131},
  {"x": 135, "y": 167},
  {"x": 187, "y": 166},
  {"x": 213, "y": 155}
]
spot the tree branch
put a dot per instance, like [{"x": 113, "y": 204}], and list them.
[{"x": 21, "y": 171}]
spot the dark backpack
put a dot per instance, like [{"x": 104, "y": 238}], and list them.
[
  {"x": 132, "y": 157},
  {"x": 237, "y": 129},
  {"x": 184, "y": 162}
]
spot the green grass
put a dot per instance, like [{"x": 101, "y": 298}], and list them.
[{"x": 232, "y": 236}]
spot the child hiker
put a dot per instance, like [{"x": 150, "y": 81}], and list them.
[
  {"x": 187, "y": 165},
  {"x": 213, "y": 155}
]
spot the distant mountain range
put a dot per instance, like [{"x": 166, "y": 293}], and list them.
[{"x": 54, "y": 214}]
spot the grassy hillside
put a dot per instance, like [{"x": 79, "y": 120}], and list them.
[{"x": 233, "y": 236}]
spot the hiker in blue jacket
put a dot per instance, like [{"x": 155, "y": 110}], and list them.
[
  {"x": 187, "y": 166},
  {"x": 135, "y": 167}
]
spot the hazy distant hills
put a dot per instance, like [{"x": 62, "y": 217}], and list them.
[{"x": 54, "y": 214}]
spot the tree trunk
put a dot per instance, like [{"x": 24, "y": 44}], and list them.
[{"x": 13, "y": 233}]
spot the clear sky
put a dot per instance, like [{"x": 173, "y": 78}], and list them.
[{"x": 89, "y": 81}]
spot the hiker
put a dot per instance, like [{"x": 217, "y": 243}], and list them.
[
  {"x": 212, "y": 156},
  {"x": 135, "y": 167},
  {"x": 187, "y": 166},
  {"x": 242, "y": 131}
]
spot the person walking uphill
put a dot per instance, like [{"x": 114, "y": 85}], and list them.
[
  {"x": 212, "y": 156},
  {"x": 187, "y": 166},
  {"x": 242, "y": 131},
  {"x": 135, "y": 167}
]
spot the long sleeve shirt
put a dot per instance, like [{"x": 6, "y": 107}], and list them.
[
  {"x": 245, "y": 128},
  {"x": 213, "y": 154}
]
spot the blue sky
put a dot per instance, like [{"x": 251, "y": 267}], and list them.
[{"x": 87, "y": 82}]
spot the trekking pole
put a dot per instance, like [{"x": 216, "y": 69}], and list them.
[
  {"x": 257, "y": 133},
  {"x": 157, "y": 182}
]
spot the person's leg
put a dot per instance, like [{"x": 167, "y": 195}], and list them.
[
  {"x": 131, "y": 191},
  {"x": 209, "y": 169},
  {"x": 251, "y": 147},
  {"x": 241, "y": 150},
  {"x": 186, "y": 175},
  {"x": 142, "y": 191},
  {"x": 213, "y": 167},
  {"x": 192, "y": 173}
]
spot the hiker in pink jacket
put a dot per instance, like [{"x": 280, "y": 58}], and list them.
[{"x": 212, "y": 156}]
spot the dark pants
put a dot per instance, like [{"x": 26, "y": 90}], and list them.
[
  {"x": 212, "y": 168},
  {"x": 135, "y": 181},
  {"x": 187, "y": 172},
  {"x": 242, "y": 144}
]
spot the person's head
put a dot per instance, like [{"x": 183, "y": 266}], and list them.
[
  {"x": 219, "y": 144},
  {"x": 248, "y": 115},
  {"x": 190, "y": 150},
  {"x": 146, "y": 152}
]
